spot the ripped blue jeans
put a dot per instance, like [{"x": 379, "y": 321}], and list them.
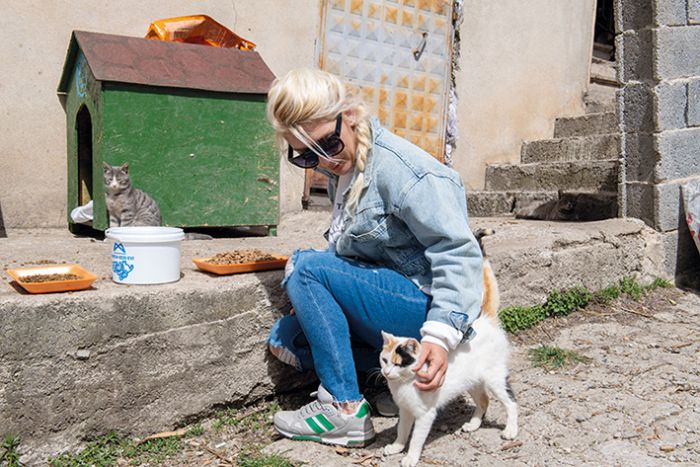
[{"x": 342, "y": 306}]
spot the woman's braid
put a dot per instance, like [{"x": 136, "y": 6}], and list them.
[{"x": 364, "y": 143}]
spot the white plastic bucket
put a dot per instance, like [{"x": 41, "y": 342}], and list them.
[{"x": 145, "y": 255}]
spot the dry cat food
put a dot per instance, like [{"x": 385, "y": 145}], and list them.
[
  {"x": 34, "y": 278},
  {"x": 240, "y": 257}
]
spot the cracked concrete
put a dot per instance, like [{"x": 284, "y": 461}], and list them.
[{"x": 635, "y": 404}]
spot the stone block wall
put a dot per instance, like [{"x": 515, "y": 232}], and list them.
[{"x": 658, "y": 53}]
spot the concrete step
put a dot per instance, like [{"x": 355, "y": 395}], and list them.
[
  {"x": 154, "y": 357},
  {"x": 489, "y": 203},
  {"x": 551, "y": 176},
  {"x": 600, "y": 98},
  {"x": 571, "y": 206},
  {"x": 586, "y": 125},
  {"x": 503, "y": 203},
  {"x": 575, "y": 148},
  {"x": 604, "y": 72},
  {"x": 603, "y": 52}
]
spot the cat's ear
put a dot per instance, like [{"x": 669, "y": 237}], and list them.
[
  {"x": 125, "y": 167},
  {"x": 106, "y": 167},
  {"x": 412, "y": 345},
  {"x": 387, "y": 337}
]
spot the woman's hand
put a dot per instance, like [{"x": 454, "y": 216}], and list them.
[{"x": 436, "y": 358}]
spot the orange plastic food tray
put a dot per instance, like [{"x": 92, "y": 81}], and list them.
[
  {"x": 84, "y": 282},
  {"x": 223, "y": 269}
]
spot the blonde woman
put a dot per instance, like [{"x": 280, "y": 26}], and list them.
[{"x": 401, "y": 257}]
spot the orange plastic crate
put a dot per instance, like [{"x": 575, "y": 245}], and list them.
[{"x": 197, "y": 29}]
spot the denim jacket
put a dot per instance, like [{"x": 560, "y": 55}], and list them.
[{"x": 412, "y": 217}]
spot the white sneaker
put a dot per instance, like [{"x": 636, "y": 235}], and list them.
[{"x": 323, "y": 422}]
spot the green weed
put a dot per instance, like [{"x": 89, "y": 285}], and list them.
[
  {"x": 152, "y": 451},
  {"x": 561, "y": 303},
  {"x": 635, "y": 290},
  {"x": 9, "y": 451},
  {"x": 517, "y": 318},
  {"x": 105, "y": 451},
  {"x": 630, "y": 286},
  {"x": 660, "y": 283},
  {"x": 260, "y": 419},
  {"x": 252, "y": 457},
  {"x": 608, "y": 294},
  {"x": 197, "y": 430},
  {"x": 224, "y": 418},
  {"x": 551, "y": 358}
]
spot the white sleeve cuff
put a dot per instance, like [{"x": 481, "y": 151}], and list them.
[
  {"x": 440, "y": 333},
  {"x": 434, "y": 340}
]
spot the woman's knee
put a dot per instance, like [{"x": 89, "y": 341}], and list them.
[
  {"x": 286, "y": 342},
  {"x": 304, "y": 262}
]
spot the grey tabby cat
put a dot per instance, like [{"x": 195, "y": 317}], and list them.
[
  {"x": 127, "y": 206},
  {"x": 572, "y": 207},
  {"x": 131, "y": 207}
]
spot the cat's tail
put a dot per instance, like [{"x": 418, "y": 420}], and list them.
[
  {"x": 491, "y": 298},
  {"x": 481, "y": 233}
]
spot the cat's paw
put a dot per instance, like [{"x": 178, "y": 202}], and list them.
[
  {"x": 510, "y": 432},
  {"x": 472, "y": 425},
  {"x": 409, "y": 461},
  {"x": 394, "y": 448}
]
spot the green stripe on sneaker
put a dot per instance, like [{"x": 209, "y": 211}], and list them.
[
  {"x": 314, "y": 426},
  {"x": 306, "y": 438},
  {"x": 325, "y": 422},
  {"x": 362, "y": 411}
]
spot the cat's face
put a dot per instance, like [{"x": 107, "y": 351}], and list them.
[
  {"x": 567, "y": 203},
  {"x": 116, "y": 178},
  {"x": 398, "y": 357}
]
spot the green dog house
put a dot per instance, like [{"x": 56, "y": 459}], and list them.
[{"x": 189, "y": 120}]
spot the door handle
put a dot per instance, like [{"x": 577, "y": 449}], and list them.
[{"x": 417, "y": 52}]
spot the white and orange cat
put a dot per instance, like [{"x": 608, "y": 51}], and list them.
[{"x": 474, "y": 366}]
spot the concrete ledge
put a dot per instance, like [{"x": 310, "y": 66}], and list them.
[
  {"x": 489, "y": 203},
  {"x": 532, "y": 258},
  {"x": 586, "y": 125},
  {"x": 572, "y": 148},
  {"x": 552, "y": 176},
  {"x": 504, "y": 203},
  {"x": 141, "y": 359},
  {"x": 137, "y": 359}
]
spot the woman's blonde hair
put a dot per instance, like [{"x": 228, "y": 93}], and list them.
[{"x": 306, "y": 95}]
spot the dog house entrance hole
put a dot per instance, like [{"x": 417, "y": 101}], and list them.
[{"x": 84, "y": 128}]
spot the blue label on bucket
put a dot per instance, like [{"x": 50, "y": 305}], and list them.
[{"x": 120, "y": 261}]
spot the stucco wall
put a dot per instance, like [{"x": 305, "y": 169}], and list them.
[
  {"x": 523, "y": 64},
  {"x": 34, "y": 38}
]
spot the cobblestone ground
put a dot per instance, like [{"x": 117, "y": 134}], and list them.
[{"x": 634, "y": 404}]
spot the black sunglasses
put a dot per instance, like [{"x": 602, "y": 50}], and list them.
[{"x": 331, "y": 145}]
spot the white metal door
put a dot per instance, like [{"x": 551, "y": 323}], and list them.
[{"x": 398, "y": 53}]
